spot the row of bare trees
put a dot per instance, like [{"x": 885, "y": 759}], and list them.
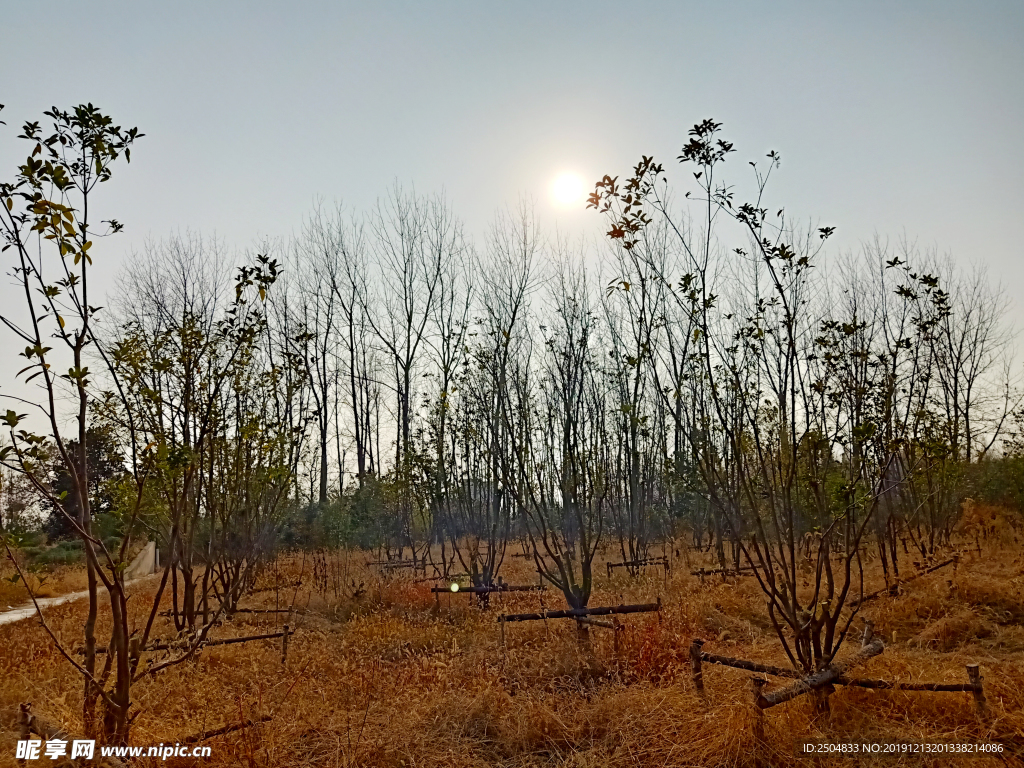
[{"x": 727, "y": 379}]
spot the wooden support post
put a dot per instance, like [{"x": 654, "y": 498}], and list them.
[
  {"x": 25, "y": 729},
  {"x": 980, "y": 703},
  {"x": 284, "y": 645},
  {"x": 756, "y": 684},
  {"x": 695, "y": 665},
  {"x": 750, "y": 666},
  {"x": 487, "y": 590},
  {"x": 618, "y": 627},
  {"x": 743, "y": 569},
  {"x": 501, "y": 622},
  {"x": 869, "y": 633}
]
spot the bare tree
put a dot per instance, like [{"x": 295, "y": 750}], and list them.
[
  {"x": 475, "y": 509},
  {"x": 561, "y": 462},
  {"x": 414, "y": 242},
  {"x": 637, "y": 489},
  {"x": 319, "y": 251}
]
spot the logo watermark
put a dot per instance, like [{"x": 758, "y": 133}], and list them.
[{"x": 86, "y": 748}]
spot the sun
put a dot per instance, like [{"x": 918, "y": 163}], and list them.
[{"x": 567, "y": 189}]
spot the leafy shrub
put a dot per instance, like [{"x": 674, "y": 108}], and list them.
[{"x": 58, "y": 556}]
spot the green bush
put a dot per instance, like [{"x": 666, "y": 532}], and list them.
[
  {"x": 58, "y": 556},
  {"x": 107, "y": 525},
  {"x": 999, "y": 481},
  {"x": 35, "y": 539}
]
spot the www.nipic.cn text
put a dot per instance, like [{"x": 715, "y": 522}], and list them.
[{"x": 86, "y": 748}]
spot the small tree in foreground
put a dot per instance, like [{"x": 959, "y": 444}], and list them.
[{"x": 48, "y": 222}]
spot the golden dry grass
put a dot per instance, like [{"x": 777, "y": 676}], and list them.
[
  {"x": 399, "y": 679},
  {"x": 49, "y": 581},
  {"x": 56, "y": 580}
]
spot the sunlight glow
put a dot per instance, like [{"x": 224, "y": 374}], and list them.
[
  {"x": 455, "y": 587},
  {"x": 567, "y": 189}
]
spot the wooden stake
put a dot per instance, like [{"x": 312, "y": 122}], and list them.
[
  {"x": 695, "y": 665},
  {"x": 756, "y": 684},
  {"x": 284, "y": 645},
  {"x": 980, "y": 703},
  {"x": 869, "y": 633}
]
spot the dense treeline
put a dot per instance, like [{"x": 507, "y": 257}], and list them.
[{"x": 384, "y": 380}]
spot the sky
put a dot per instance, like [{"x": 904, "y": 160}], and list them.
[{"x": 896, "y": 119}]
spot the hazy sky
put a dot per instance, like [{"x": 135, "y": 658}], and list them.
[{"x": 890, "y": 117}]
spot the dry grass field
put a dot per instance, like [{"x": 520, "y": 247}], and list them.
[
  {"x": 397, "y": 678},
  {"x": 60, "y": 580}
]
